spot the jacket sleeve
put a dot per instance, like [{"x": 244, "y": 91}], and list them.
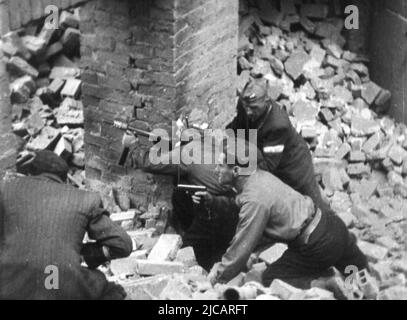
[
  {"x": 112, "y": 241},
  {"x": 224, "y": 205},
  {"x": 167, "y": 163},
  {"x": 252, "y": 222}
]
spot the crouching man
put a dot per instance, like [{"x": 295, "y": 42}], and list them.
[
  {"x": 42, "y": 225},
  {"x": 271, "y": 211}
]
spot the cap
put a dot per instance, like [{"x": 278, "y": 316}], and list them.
[{"x": 255, "y": 89}]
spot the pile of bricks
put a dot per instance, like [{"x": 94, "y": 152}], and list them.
[
  {"x": 45, "y": 89},
  {"x": 360, "y": 155}
]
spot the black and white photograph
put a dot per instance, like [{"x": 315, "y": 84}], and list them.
[{"x": 210, "y": 150}]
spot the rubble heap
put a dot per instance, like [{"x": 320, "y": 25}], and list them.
[{"x": 45, "y": 89}]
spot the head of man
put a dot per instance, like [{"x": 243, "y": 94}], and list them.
[
  {"x": 238, "y": 158},
  {"x": 254, "y": 97},
  {"x": 40, "y": 162}
]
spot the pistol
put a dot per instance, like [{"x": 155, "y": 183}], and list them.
[{"x": 189, "y": 188}]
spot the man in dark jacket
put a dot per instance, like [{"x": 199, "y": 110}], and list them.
[
  {"x": 43, "y": 223},
  {"x": 206, "y": 219},
  {"x": 285, "y": 151},
  {"x": 271, "y": 212}
]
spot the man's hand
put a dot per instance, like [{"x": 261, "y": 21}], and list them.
[
  {"x": 129, "y": 139},
  {"x": 202, "y": 197}
]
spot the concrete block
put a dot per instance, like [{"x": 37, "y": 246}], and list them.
[
  {"x": 166, "y": 248},
  {"x": 283, "y": 290},
  {"x": 152, "y": 267},
  {"x": 294, "y": 66},
  {"x": 358, "y": 169},
  {"x": 64, "y": 149},
  {"x": 372, "y": 143},
  {"x": 123, "y": 216},
  {"x": 71, "y": 88},
  {"x": 64, "y": 73},
  {"x": 47, "y": 138}
]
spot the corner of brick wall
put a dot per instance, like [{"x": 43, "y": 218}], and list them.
[{"x": 126, "y": 73}]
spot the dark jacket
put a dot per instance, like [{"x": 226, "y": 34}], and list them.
[
  {"x": 43, "y": 223},
  {"x": 187, "y": 163},
  {"x": 270, "y": 211},
  {"x": 285, "y": 151}
]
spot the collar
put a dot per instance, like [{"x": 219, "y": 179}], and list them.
[{"x": 263, "y": 119}]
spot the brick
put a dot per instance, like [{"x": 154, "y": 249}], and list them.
[
  {"x": 273, "y": 253},
  {"x": 122, "y": 216},
  {"x": 373, "y": 252},
  {"x": 152, "y": 267},
  {"x": 35, "y": 45},
  {"x": 56, "y": 86},
  {"x": 318, "y": 11},
  {"x": 48, "y": 137},
  {"x": 68, "y": 20},
  {"x": 326, "y": 115},
  {"x": 19, "y": 67},
  {"x": 21, "y": 89},
  {"x": 166, "y": 248},
  {"x": 126, "y": 266},
  {"x": 71, "y": 88},
  {"x": 370, "y": 91},
  {"x": 397, "y": 154},
  {"x": 283, "y": 290},
  {"x": 372, "y": 143},
  {"x": 186, "y": 256},
  {"x": 348, "y": 218},
  {"x": 64, "y": 73},
  {"x": 363, "y": 127},
  {"x": 382, "y": 98},
  {"x": 295, "y": 64},
  {"x": 343, "y": 150},
  {"x": 64, "y": 149},
  {"x": 309, "y": 133},
  {"x": 357, "y": 156}
]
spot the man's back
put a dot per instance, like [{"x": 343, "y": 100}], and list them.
[{"x": 44, "y": 223}]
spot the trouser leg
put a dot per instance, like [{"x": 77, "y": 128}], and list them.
[{"x": 329, "y": 245}]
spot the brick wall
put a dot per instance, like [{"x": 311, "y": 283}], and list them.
[
  {"x": 20, "y": 12},
  {"x": 206, "y": 48},
  {"x": 152, "y": 60},
  {"x": 388, "y": 52}
]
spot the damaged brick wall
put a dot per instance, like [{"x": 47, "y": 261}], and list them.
[{"x": 152, "y": 60}]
